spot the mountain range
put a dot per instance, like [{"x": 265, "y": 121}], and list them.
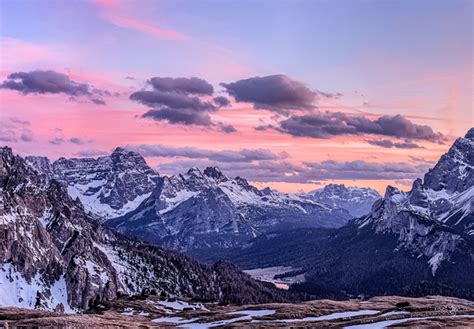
[
  {"x": 206, "y": 209},
  {"x": 54, "y": 255},
  {"x": 195, "y": 210},
  {"x": 417, "y": 243},
  {"x": 64, "y": 228}
]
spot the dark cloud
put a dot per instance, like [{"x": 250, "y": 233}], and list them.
[
  {"x": 185, "y": 85},
  {"x": 244, "y": 155},
  {"x": 172, "y": 100},
  {"x": 274, "y": 92},
  {"x": 180, "y": 116},
  {"x": 182, "y": 101},
  {"x": 386, "y": 143},
  {"x": 263, "y": 171},
  {"x": 78, "y": 141},
  {"x": 221, "y": 101},
  {"x": 228, "y": 129},
  {"x": 51, "y": 82},
  {"x": 359, "y": 169},
  {"x": 56, "y": 141},
  {"x": 13, "y": 130},
  {"x": 306, "y": 173},
  {"x": 329, "y": 124}
]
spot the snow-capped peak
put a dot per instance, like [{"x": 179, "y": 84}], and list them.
[
  {"x": 108, "y": 186},
  {"x": 433, "y": 216},
  {"x": 356, "y": 200}
]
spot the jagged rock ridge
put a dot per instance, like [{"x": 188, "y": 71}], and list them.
[
  {"x": 357, "y": 201},
  {"x": 208, "y": 209},
  {"x": 108, "y": 186}
]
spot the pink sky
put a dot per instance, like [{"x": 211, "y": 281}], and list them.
[{"x": 434, "y": 95}]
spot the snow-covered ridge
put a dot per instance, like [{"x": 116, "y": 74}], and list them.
[
  {"x": 109, "y": 186},
  {"x": 356, "y": 200},
  {"x": 184, "y": 209}
]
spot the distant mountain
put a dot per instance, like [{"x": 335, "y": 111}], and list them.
[
  {"x": 208, "y": 209},
  {"x": 108, "y": 186},
  {"x": 55, "y": 256},
  {"x": 414, "y": 243},
  {"x": 357, "y": 201}
]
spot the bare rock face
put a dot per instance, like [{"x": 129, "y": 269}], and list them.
[
  {"x": 206, "y": 209},
  {"x": 54, "y": 255},
  {"x": 108, "y": 186},
  {"x": 436, "y": 218},
  {"x": 357, "y": 201}
]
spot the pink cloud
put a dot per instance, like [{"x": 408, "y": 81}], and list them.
[{"x": 113, "y": 12}]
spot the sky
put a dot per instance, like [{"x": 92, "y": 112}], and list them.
[{"x": 288, "y": 94}]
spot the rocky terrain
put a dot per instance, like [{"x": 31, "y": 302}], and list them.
[
  {"x": 55, "y": 256},
  {"x": 206, "y": 209},
  {"x": 357, "y": 201},
  {"x": 108, "y": 186},
  {"x": 153, "y": 312}
]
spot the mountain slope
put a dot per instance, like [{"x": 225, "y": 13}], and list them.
[
  {"x": 53, "y": 255},
  {"x": 415, "y": 243},
  {"x": 207, "y": 210},
  {"x": 357, "y": 201},
  {"x": 108, "y": 186}
]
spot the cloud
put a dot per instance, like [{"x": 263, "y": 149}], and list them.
[
  {"x": 90, "y": 153},
  {"x": 186, "y": 85},
  {"x": 228, "y": 129},
  {"x": 386, "y": 143},
  {"x": 274, "y": 92},
  {"x": 244, "y": 155},
  {"x": 359, "y": 169},
  {"x": 14, "y": 130},
  {"x": 264, "y": 171},
  {"x": 56, "y": 141},
  {"x": 263, "y": 165},
  {"x": 78, "y": 141},
  {"x": 330, "y": 124},
  {"x": 172, "y": 100},
  {"x": 115, "y": 13},
  {"x": 184, "y": 101},
  {"x": 221, "y": 101},
  {"x": 52, "y": 82},
  {"x": 306, "y": 173},
  {"x": 186, "y": 116}
]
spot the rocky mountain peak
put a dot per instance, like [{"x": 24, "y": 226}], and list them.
[
  {"x": 470, "y": 134},
  {"x": 357, "y": 201},
  {"x": 6, "y": 152},
  {"x": 194, "y": 171},
  {"x": 454, "y": 172},
  {"x": 108, "y": 186},
  {"x": 431, "y": 219},
  {"x": 215, "y": 173},
  {"x": 120, "y": 150}
]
